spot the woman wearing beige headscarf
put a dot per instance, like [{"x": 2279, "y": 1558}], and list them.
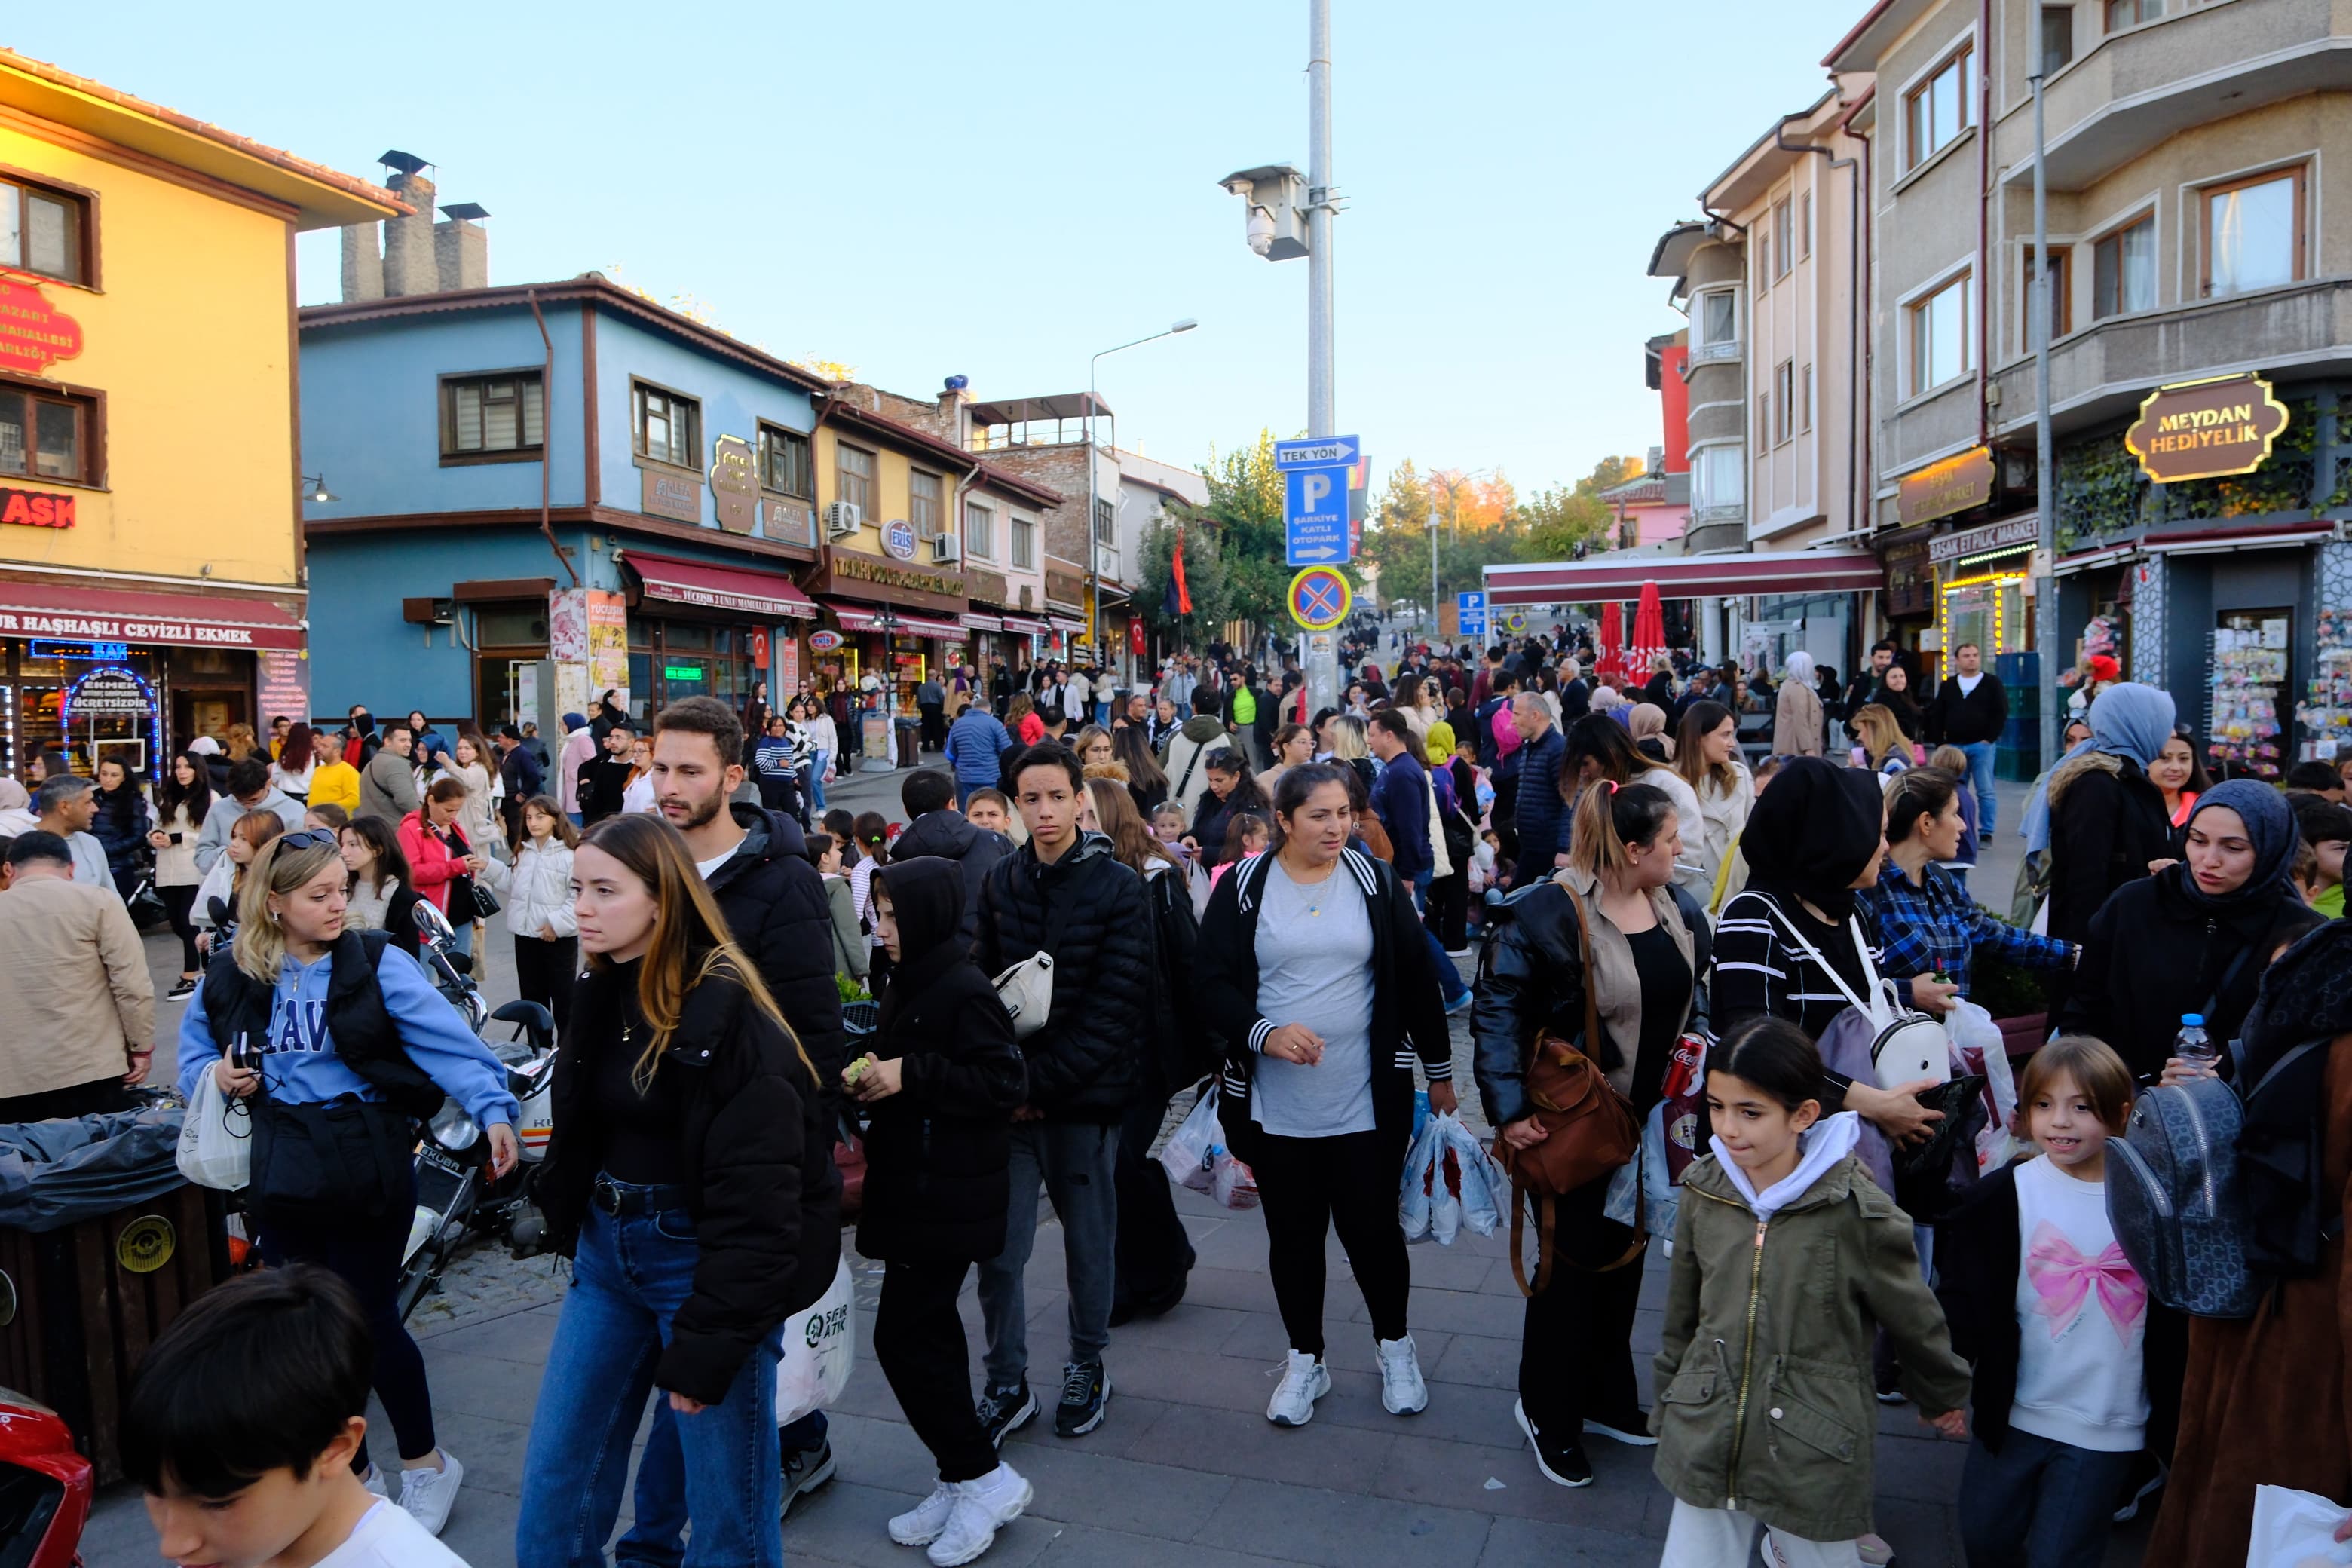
[
  {"x": 1797, "y": 727},
  {"x": 1648, "y": 724}
]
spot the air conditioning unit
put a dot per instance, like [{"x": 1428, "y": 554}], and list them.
[
  {"x": 843, "y": 517},
  {"x": 946, "y": 550}
]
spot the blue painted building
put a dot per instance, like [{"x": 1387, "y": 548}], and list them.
[{"x": 541, "y": 491}]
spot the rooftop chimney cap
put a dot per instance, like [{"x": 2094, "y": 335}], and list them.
[
  {"x": 406, "y": 163},
  {"x": 466, "y": 212},
  {"x": 956, "y": 383}
]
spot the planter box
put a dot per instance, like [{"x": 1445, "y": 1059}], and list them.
[{"x": 2023, "y": 1036}]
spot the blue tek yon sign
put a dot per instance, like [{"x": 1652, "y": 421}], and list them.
[
  {"x": 1318, "y": 452},
  {"x": 1315, "y": 516}
]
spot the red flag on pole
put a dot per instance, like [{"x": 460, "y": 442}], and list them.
[{"x": 1176, "y": 565}]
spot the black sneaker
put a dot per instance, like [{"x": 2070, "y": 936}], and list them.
[
  {"x": 1003, "y": 1411},
  {"x": 1085, "y": 1393},
  {"x": 184, "y": 986},
  {"x": 805, "y": 1469},
  {"x": 1562, "y": 1463}
]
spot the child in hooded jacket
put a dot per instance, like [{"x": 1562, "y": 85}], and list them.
[{"x": 1787, "y": 1259}]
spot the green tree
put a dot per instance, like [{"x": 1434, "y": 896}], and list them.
[
  {"x": 1608, "y": 472},
  {"x": 1554, "y": 523},
  {"x": 1245, "y": 510}
]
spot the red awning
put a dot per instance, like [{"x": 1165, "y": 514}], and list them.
[
  {"x": 979, "y": 623},
  {"x": 172, "y": 620},
  {"x": 719, "y": 587},
  {"x": 861, "y": 618},
  {"x": 1025, "y": 625},
  {"x": 1686, "y": 577}
]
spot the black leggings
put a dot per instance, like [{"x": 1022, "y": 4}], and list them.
[
  {"x": 1309, "y": 1186},
  {"x": 364, "y": 1251},
  {"x": 1576, "y": 1356},
  {"x": 544, "y": 971},
  {"x": 919, "y": 1339},
  {"x": 179, "y": 902}
]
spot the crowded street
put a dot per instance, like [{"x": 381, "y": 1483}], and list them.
[{"x": 718, "y": 849}]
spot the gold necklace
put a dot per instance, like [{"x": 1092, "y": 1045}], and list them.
[{"x": 1315, "y": 906}]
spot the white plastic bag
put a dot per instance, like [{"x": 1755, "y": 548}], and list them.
[
  {"x": 1420, "y": 1172},
  {"x": 1189, "y": 1154},
  {"x": 1481, "y": 1188},
  {"x": 1977, "y": 1046},
  {"x": 1232, "y": 1183},
  {"x": 820, "y": 1347},
  {"x": 2295, "y": 1530},
  {"x": 216, "y": 1139},
  {"x": 1661, "y": 1196}
]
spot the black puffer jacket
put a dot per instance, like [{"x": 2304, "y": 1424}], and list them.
[
  {"x": 776, "y": 909},
  {"x": 949, "y": 835},
  {"x": 1086, "y": 1064},
  {"x": 756, "y": 1159},
  {"x": 938, "y": 1152}
]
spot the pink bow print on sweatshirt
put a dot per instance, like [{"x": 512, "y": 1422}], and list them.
[{"x": 2062, "y": 1277}]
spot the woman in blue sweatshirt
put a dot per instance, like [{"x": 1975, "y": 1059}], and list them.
[{"x": 345, "y": 1045}]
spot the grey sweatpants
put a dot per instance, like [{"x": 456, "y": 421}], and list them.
[{"x": 1074, "y": 1161}]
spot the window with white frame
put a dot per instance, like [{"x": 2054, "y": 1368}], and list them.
[
  {"x": 1718, "y": 477},
  {"x": 1784, "y": 401},
  {"x": 1936, "y": 111},
  {"x": 1784, "y": 237},
  {"x": 1715, "y": 314},
  {"x": 980, "y": 530},
  {"x": 1024, "y": 540},
  {"x": 2122, "y": 270},
  {"x": 2253, "y": 232},
  {"x": 1938, "y": 336}
]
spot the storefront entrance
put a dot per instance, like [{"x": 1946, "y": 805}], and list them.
[{"x": 669, "y": 660}]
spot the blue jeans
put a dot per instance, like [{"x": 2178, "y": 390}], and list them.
[
  {"x": 1980, "y": 756},
  {"x": 816, "y": 779},
  {"x": 1450, "y": 983},
  {"x": 2038, "y": 1501},
  {"x": 630, "y": 1277}
]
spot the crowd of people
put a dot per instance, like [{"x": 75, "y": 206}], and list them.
[{"x": 1108, "y": 897}]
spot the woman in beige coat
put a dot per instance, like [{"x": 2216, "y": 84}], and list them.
[{"x": 1797, "y": 722}]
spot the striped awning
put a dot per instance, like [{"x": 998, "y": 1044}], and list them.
[{"x": 1686, "y": 577}]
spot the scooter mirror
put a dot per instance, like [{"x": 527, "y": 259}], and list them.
[{"x": 453, "y": 1129}]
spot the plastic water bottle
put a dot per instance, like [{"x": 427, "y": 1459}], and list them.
[{"x": 2192, "y": 1046}]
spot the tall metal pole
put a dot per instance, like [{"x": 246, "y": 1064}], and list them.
[
  {"x": 2045, "y": 586},
  {"x": 1321, "y": 662}
]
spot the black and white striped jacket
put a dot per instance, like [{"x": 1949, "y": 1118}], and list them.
[{"x": 1409, "y": 1020}]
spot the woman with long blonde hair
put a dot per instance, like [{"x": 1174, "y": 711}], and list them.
[
  {"x": 691, "y": 1182},
  {"x": 1880, "y": 742},
  {"x": 341, "y": 1048}
]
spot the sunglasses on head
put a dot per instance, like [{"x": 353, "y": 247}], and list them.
[{"x": 303, "y": 838}]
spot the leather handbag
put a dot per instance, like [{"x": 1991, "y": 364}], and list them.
[{"x": 1591, "y": 1132}]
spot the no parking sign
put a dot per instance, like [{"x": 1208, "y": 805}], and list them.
[{"x": 1320, "y": 599}]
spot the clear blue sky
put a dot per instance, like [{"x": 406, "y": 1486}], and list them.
[{"x": 921, "y": 187}]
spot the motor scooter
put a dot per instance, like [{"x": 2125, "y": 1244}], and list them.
[{"x": 45, "y": 1486}]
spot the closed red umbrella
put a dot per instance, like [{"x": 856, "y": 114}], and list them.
[
  {"x": 1610, "y": 667},
  {"x": 1649, "y": 632}
]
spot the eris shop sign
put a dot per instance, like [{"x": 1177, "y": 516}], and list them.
[{"x": 35, "y": 508}]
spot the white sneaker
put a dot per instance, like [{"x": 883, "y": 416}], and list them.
[
  {"x": 1402, "y": 1393},
  {"x": 1305, "y": 1379},
  {"x": 982, "y": 1508},
  {"x": 426, "y": 1494},
  {"x": 920, "y": 1525}
]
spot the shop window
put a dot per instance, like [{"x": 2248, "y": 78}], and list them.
[
  {"x": 668, "y": 428},
  {"x": 854, "y": 476},
  {"x": 493, "y": 417},
  {"x": 49, "y": 436},
  {"x": 1936, "y": 110},
  {"x": 980, "y": 530},
  {"x": 45, "y": 230},
  {"x": 923, "y": 502},
  {"x": 1939, "y": 336},
  {"x": 2123, "y": 270},
  {"x": 2254, "y": 233},
  {"x": 2062, "y": 302},
  {"x": 1024, "y": 542},
  {"x": 784, "y": 464}
]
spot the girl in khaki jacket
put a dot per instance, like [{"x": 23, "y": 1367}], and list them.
[{"x": 1787, "y": 1256}]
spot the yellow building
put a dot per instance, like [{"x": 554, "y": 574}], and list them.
[
  {"x": 151, "y": 548},
  {"x": 889, "y": 498}
]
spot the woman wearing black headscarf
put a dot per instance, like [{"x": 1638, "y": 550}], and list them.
[
  {"x": 2195, "y": 936},
  {"x": 941, "y": 1080},
  {"x": 1817, "y": 835}
]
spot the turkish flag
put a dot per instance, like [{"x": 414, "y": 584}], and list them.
[{"x": 1135, "y": 636}]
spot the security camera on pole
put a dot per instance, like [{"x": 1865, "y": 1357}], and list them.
[{"x": 1316, "y": 477}]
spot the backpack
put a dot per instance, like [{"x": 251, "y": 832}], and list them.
[{"x": 2175, "y": 1202}]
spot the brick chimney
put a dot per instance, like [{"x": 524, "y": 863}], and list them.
[
  {"x": 408, "y": 264},
  {"x": 461, "y": 248},
  {"x": 363, "y": 262}
]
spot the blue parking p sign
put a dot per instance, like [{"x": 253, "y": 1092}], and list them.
[{"x": 1315, "y": 516}]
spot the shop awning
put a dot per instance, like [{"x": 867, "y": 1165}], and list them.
[
  {"x": 861, "y": 618},
  {"x": 1027, "y": 626},
  {"x": 1686, "y": 577},
  {"x": 170, "y": 620},
  {"x": 979, "y": 623},
  {"x": 719, "y": 587},
  {"x": 1063, "y": 623},
  {"x": 2200, "y": 543}
]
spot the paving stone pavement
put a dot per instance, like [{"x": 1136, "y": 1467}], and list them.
[{"x": 1185, "y": 1472}]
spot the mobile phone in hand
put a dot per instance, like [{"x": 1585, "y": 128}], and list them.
[{"x": 244, "y": 1057}]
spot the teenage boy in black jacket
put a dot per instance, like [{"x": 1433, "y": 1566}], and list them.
[
  {"x": 1065, "y": 892},
  {"x": 775, "y": 905}
]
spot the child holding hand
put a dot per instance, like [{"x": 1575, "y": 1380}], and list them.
[
  {"x": 1787, "y": 1259},
  {"x": 2043, "y": 1303}
]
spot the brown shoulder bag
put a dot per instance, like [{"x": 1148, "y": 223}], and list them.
[{"x": 1591, "y": 1132}]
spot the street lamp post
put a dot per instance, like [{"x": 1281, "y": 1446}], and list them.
[
  {"x": 2046, "y": 500},
  {"x": 1094, "y": 484}
]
